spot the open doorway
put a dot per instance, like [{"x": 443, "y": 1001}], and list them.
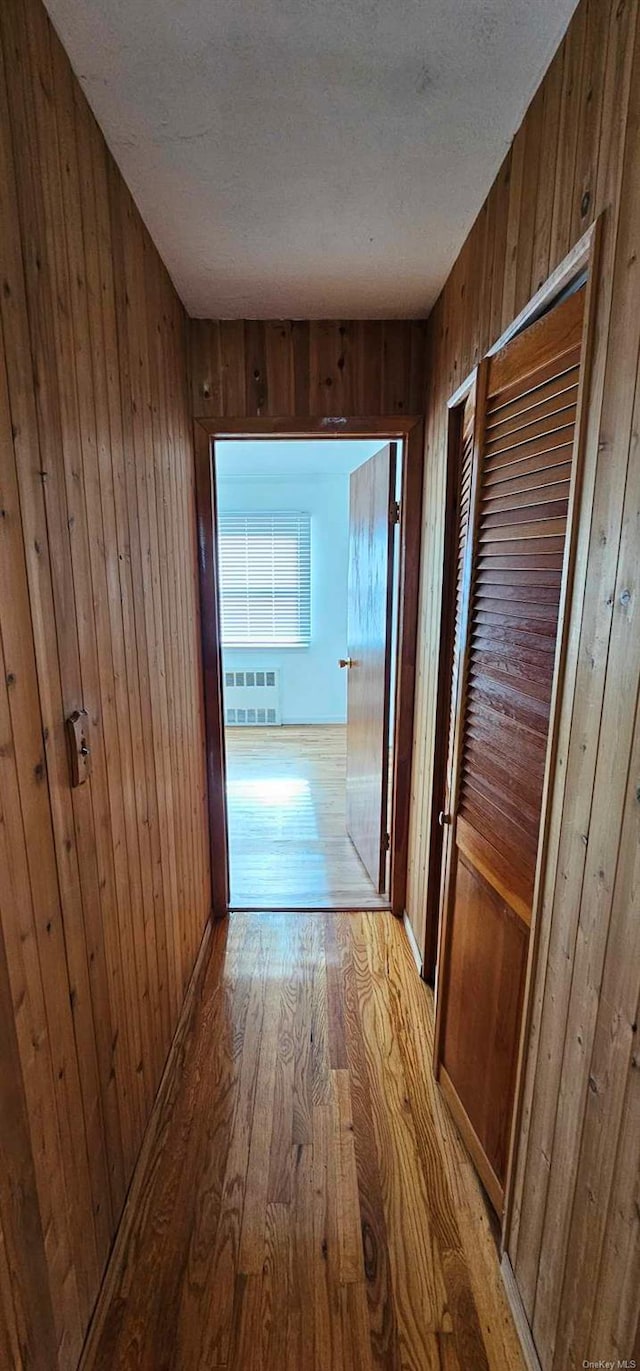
[
  {"x": 406, "y": 433},
  {"x": 308, "y": 573}
]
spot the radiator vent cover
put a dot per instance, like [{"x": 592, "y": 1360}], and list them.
[{"x": 252, "y": 698}]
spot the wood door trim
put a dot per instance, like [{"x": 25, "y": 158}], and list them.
[
  {"x": 593, "y": 240},
  {"x": 519, "y": 1314},
  {"x": 579, "y": 258},
  {"x": 409, "y": 428},
  {"x": 457, "y": 705},
  {"x": 372, "y": 492},
  {"x": 446, "y": 648},
  {"x": 212, "y": 672}
]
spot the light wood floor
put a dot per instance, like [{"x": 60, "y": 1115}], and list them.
[
  {"x": 288, "y": 843},
  {"x": 304, "y": 1203}
]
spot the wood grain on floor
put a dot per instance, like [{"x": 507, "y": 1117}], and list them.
[
  {"x": 304, "y": 1201},
  {"x": 288, "y": 841}
]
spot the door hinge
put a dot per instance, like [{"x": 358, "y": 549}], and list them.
[
  {"x": 386, "y": 842},
  {"x": 394, "y": 512}
]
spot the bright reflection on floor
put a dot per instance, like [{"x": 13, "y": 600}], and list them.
[
  {"x": 285, "y": 792},
  {"x": 288, "y": 841}
]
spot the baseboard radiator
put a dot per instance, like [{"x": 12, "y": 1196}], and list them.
[{"x": 252, "y": 698}]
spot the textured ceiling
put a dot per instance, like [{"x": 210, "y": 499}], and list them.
[{"x": 309, "y": 158}]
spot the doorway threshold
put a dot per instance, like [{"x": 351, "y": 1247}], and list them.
[{"x": 383, "y": 908}]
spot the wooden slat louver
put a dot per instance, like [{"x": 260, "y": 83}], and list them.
[
  {"x": 463, "y": 505},
  {"x": 523, "y": 503}
]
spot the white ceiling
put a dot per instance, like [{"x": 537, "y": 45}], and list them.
[
  {"x": 291, "y": 459},
  {"x": 309, "y": 158}
]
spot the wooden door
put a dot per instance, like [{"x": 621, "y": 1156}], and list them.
[
  {"x": 516, "y": 464},
  {"x": 369, "y": 616}
]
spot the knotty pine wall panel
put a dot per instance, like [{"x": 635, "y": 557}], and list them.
[
  {"x": 104, "y": 890},
  {"x": 294, "y": 369},
  {"x": 574, "y": 1241}
]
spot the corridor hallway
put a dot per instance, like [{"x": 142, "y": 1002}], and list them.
[{"x": 303, "y": 1200}]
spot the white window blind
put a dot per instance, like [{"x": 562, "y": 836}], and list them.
[{"x": 265, "y": 579}]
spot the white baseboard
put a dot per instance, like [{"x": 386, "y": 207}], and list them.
[{"x": 417, "y": 955}]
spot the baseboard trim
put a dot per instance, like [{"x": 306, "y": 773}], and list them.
[
  {"x": 471, "y": 1141},
  {"x": 519, "y": 1315},
  {"x": 123, "y": 1230},
  {"x": 413, "y": 942}
]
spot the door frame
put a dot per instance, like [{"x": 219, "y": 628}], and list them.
[
  {"x": 583, "y": 259},
  {"x": 410, "y": 430}
]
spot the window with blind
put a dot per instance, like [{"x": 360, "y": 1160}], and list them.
[{"x": 265, "y": 579}]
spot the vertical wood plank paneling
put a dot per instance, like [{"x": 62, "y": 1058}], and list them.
[
  {"x": 300, "y": 369},
  {"x": 75, "y": 1113},
  {"x": 575, "y": 156},
  {"x": 493, "y": 306},
  {"x": 514, "y": 204},
  {"x": 113, "y": 683},
  {"x": 280, "y": 372},
  {"x": 531, "y": 179},
  {"x": 22, "y": 507},
  {"x": 551, "y": 92},
  {"x": 589, "y": 119},
  {"x": 606, "y": 687},
  {"x": 104, "y": 891},
  {"x": 622, "y": 24},
  {"x": 10, "y": 1354},
  {"x": 24, "y": 1283},
  {"x": 568, "y": 128}
]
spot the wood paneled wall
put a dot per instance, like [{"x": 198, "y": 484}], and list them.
[
  {"x": 574, "y": 1242},
  {"x": 104, "y": 890},
  {"x": 251, "y": 369}
]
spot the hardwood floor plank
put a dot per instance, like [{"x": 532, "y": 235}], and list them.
[
  {"x": 224, "y": 1257},
  {"x": 373, "y": 1226},
  {"x": 275, "y": 1285},
  {"x": 349, "y": 1235},
  {"x": 418, "y": 1283},
  {"x": 251, "y": 1253},
  {"x": 356, "y": 1340},
  {"x": 326, "y": 1248},
  {"x": 281, "y": 1152},
  {"x": 406, "y": 995},
  {"x": 473, "y": 1280},
  {"x": 322, "y": 1091},
  {"x": 377, "y": 1254},
  {"x": 180, "y": 1272},
  {"x": 302, "y": 1074},
  {"x": 301, "y": 1318},
  {"x": 198, "y": 1285},
  {"x": 246, "y": 1346},
  {"x": 337, "y": 1040}
]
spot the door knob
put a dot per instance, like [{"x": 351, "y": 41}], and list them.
[
  {"x": 444, "y": 818},
  {"x": 345, "y": 661}
]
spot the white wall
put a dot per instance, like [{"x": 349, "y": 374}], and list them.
[{"x": 313, "y": 688}]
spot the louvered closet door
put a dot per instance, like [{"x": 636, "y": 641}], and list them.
[
  {"x": 463, "y": 509},
  {"x": 507, "y": 616}
]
